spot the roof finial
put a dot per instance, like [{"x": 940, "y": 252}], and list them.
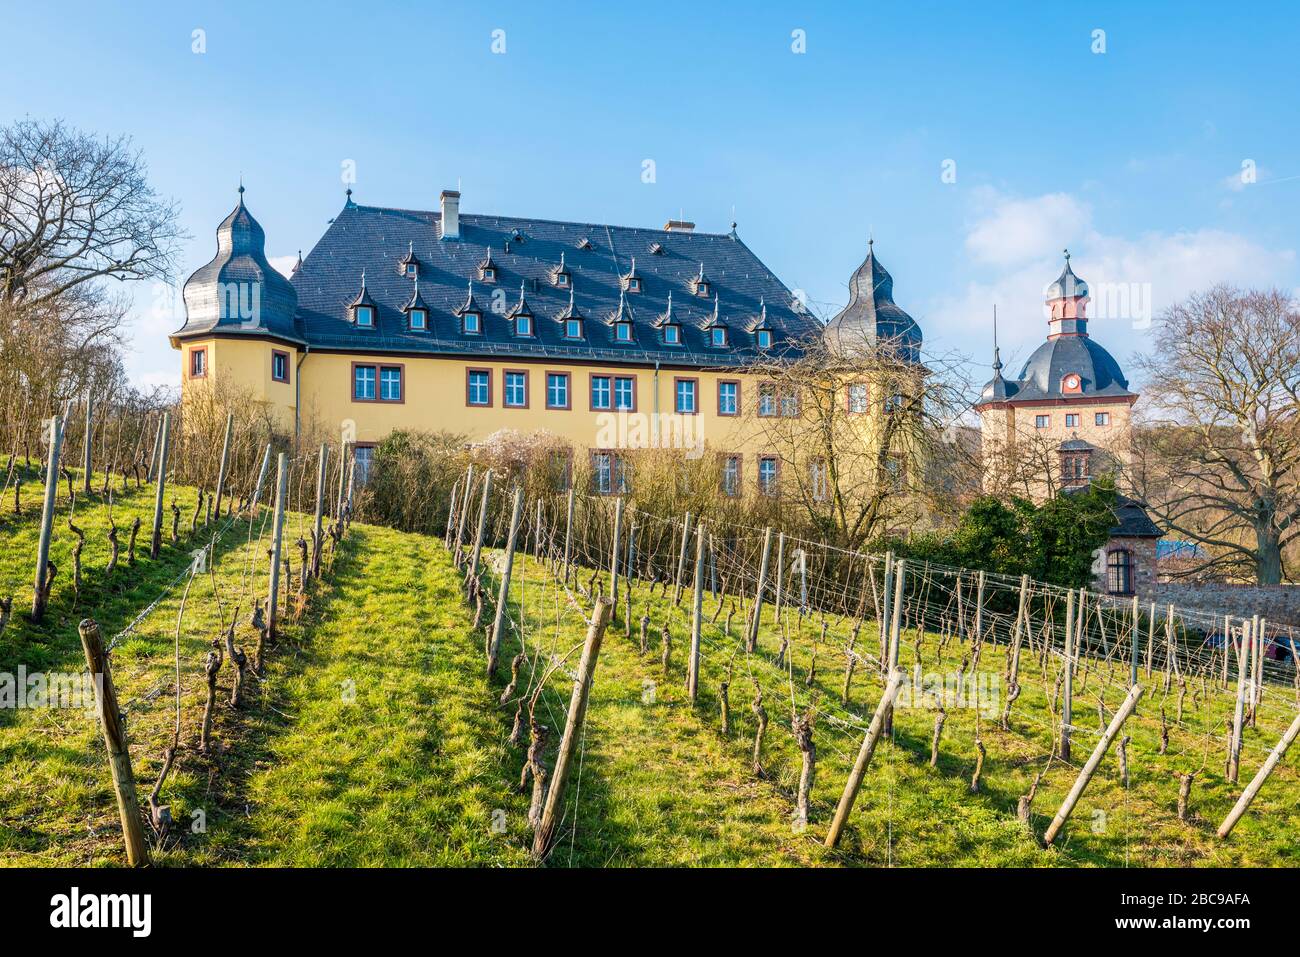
[
  {"x": 1067, "y": 256},
  {"x": 997, "y": 359},
  {"x": 363, "y": 280}
]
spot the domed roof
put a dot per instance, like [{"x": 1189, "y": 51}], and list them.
[
  {"x": 239, "y": 291},
  {"x": 1050, "y": 363},
  {"x": 872, "y": 315},
  {"x": 1067, "y": 285}
]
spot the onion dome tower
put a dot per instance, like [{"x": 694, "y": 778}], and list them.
[{"x": 872, "y": 319}]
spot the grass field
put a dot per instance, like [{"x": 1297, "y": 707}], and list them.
[{"x": 375, "y": 737}]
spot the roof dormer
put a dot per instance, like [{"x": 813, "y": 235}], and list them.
[
  {"x": 362, "y": 310},
  {"x": 560, "y": 275},
  {"x": 585, "y": 244},
  {"x": 521, "y": 316},
  {"x": 409, "y": 265},
  {"x": 620, "y": 321},
  {"x": 470, "y": 315},
  {"x": 571, "y": 321},
  {"x": 487, "y": 267},
  {"x": 416, "y": 312},
  {"x": 700, "y": 285},
  {"x": 631, "y": 280},
  {"x": 669, "y": 325},
  {"x": 764, "y": 334},
  {"x": 717, "y": 335}
]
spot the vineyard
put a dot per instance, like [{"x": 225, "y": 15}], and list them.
[{"x": 566, "y": 679}]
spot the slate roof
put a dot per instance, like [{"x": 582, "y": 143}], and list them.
[
  {"x": 376, "y": 240},
  {"x": 871, "y": 315},
  {"x": 1133, "y": 521}
]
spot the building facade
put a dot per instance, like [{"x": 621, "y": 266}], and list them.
[{"x": 607, "y": 337}]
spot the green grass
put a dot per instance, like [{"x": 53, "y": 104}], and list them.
[{"x": 374, "y": 738}]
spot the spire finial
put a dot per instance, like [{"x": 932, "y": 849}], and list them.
[
  {"x": 1067, "y": 256},
  {"x": 997, "y": 358},
  {"x": 363, "y": 280}
]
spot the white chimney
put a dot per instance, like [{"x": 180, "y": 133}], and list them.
[
  {"x": 450, "y": 214},
  {"x": 679, "y": 226}
]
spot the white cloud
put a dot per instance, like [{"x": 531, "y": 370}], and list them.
[
  {"x": 1011, "y": 231},
  {"x": 283, "y": 264}
]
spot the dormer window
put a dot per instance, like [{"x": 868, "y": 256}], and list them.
[
  {"x": 764, "y": 338},
  {"x": 521, "y": 316},
  {"x": 562, "y": 280},
  {"x": 419, "y": 320},
  {"x": 623, "y": 331},
  {"x": 363, "y": 308},
  {"x": 673, "y": 335},
  {"x": 560, "y": 275},
  {"x": 656, "y": 249},
  {"x": 487, "y": 269},
  {"x": 672, "y": 329},
  {"x": 573, "y": 328},
  {"x": 408, "y": 265},
  {"x": 632, "y": 281},
  {"x": 762, "y": 330},
  {"x": 718, "y": 337},
  {"x": 523, "y": 325},
  {"x": 472, "y": 323},
  {"x": 700, "y": 285},
  {"x": 585, "y": 243}
]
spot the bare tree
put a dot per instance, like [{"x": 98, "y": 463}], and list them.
[
  {"x": 74, "y": 209},
  {"x": 1220, "y": 458}
]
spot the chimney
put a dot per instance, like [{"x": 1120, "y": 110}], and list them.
[
  {"x": 678, "y": 226},
  {"x": 450, "y": 214}
]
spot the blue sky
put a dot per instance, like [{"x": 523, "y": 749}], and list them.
[{"x": 1132, "y": 157}]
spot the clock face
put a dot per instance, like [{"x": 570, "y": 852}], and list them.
[{"x": 1072, "y": 382}]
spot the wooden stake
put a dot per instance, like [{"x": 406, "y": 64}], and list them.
[
  {"x": 697, "y": 616},
  {"x": 756, "y": 613},
  {"x": 119, "y": 757},
  {"x": 160, "y": 488},
  {"x": 1018, "y": 637},
  {"x": 503, "y": 593},
  {"x": 277, "y": 544},
  {"x": 318, "y": 528},
  {"x": 223, "y": 469},
  {"x": 780, "y": 578},
  {"x": 41, "y": 590},
  {"x": 1247, "y": 796},
  {"x": 1135, "y": 649},
  {"x": 261, "y": 479},
  {"x": 451, "y": 512},
  {"x": 568, "y": 532},
  {"x": 895, "y": 630},
  {"x": 1243, "y": 668},
  {"x": 345, "y": 451},
  {"x": 482, "y": 527},
  {"x": 1067, "y": 700},
  {"x": 544, "y": 836},
  {"x": 865, "y": 753},
  {"x": 681, "y": 561},
  {"x": 1090, "y": 768},
  {"x": 613, "y": 555},
  {"x": 464, "y": 513}
]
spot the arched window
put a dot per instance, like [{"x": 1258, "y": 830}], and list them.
[{"x": 1119, "y": 572}]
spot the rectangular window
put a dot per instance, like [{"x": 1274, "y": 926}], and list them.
[
  {"x": 766, "y": 399},
  {"x": 819, "y": 480},
  {"x": 557, "y": 390},
  {"x": 1042, "y": 421},
  {"x": 608, "y": 473},
  {"x": 1101, "y": 418},
  {"x": 390, "y": 384},
  {"x": 573, "y": 328},
  {"x": 1072, "y": 420},
  {"x": 600, "y": 392},
  {"x": 625, "y": 393},
  {"x": 718, "y": 336},
  {"x": 684, "y": 391},
  {"x": 366, "y": 317},
  {"x": 516, "y": 389},
  {"x": 279, "y": 366},
  {"x": 623, "y": 331},
  {"x": 363, "y": 383},
  {"x": 764, "y": 339},
  {"x": 478, "y": 387},
  {"x": 857, "y": 398},
  {"x": 472, "y": 321},
  {"x": 198, "y": 363},
  {"x": 731, "y": 475},
  {"x": 728, "y": 397},
  {"x": 561, "y": 469},
  {"x": 789, "y": 403},
  {"x": 672, "y": 335},
  {"x": 767, "y": 474},
  {"x": 775, "y": 400},
  {"x": 419, "y": 320},
  {"x": 365, "y": 457},
  {"x": 523, "y": 325}
]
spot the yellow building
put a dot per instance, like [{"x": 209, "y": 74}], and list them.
[
  {"x": 1066, "y": 416},
  {"x": 609, "y": 337}
]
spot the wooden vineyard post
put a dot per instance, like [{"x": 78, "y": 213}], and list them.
[
  {"x": 865, "y": 753},
  {"x": 568, "y": 531},
  {"x": 780, "y": 578},
  {"x": 451, "y": 514},
  {"x": 979, "y": 608},
  {"x": 697, "y": 616},
  {"x": 464, "y": 513},
  {"x": 1243, "y": 667},
  {"x": 613, "y": 555},
  {"x": 119, "y": 757},
  {"x": 544, "y": 836},
  {"x": 1090, "y": 768},
  {"x": 503, "y": 593},
  {"x": 317, "y": 528},
  {"x": 756, "y": 617},
  {"x": 153, "y": 456},
  {"x": 88, "y": 451},
  {"x": 887, "y": 596},
  {"x": 472, "y": 573},
  {"x": 895, "y": 631},
  {"x": 261, "y": 478},
  {"x": 164, "y": 445},
  {"x": 681, "y": 561},
  {"x": 277, "y": 544},
  {"x": 1067, "y": 699},
  {"x": 537, "y": 532},
  {"x": 1019, "y": 635},
  {"x": 40, "y": 593},
  {"x": 1135, "y": 647},
  {"x": 1151, "y": 639},
  {"x": 344, "y": 448},
  {"x": 1259, "y": 628},
  {"x": 1274, "y": 757},
  {"x": 224, "y": 468}
]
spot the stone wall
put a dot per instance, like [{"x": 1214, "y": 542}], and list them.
[{"x": 1278, "y": 603}]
